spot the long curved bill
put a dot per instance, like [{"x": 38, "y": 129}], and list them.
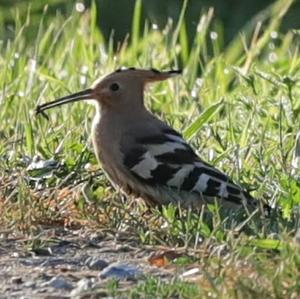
[{"x": 86, "y": 94}]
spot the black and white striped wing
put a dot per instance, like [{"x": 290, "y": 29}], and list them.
[{"x": 165, "y": 159}]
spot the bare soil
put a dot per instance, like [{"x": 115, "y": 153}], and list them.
[{"x": 63, "y": 263}]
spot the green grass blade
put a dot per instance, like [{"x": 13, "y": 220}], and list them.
[
  {"x": 246, "y": 131},
  {"x": 184, "y": 43},
  {"x": 267, "y": 244},
  {"x": 202, "y": 119},
  {"x": 136, "y": 23}
]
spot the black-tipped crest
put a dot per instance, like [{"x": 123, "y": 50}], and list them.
[
  {"x": 175, "y": 72},
  {"x": 144, "y": 75},
  {"x": 156, "y": 71},
  {"x": 122, "y": 69}
]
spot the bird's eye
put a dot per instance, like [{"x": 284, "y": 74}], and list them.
[{"x": 114, "y": 87}]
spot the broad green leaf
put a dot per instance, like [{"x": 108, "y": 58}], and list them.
[{"x": 267, "y": 244}]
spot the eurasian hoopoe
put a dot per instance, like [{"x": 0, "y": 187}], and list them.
[{"x": 142, "y": 155}]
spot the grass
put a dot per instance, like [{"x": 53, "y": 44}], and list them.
[{"x": 238, "y": 106}]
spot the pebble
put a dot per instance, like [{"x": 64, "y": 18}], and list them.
[
  {"x": 16, "y": 280},
  {"x": 15, "y": 254},
  {"x": 59, "y": 282},
  {"x": 82, "y": 286},
  {"x": 120, "y": 271},
  {"x": 29, "y": 284},
  {"x": 96, "y": 264}
]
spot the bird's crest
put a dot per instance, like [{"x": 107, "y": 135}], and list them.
[{"x": 147, "y": 75}]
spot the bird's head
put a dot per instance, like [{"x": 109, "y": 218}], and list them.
[{"x": 123, "y": 87}]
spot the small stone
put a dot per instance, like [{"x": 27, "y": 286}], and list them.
[
  {"x": 16, "y": 279},
  {"x": 42, "y": 251},
  {"x": 29, "y": 284},
  {"x": 190, "y": 272},
  {"x": 59, "y": 282},
  {"x": 15, "y": 254},
  {"x": 96, "y": 264},
  {"x": 53, "y": 262},
  {"x": 40, "y": 291},
  {"x": 120, "y": 271},
  {"x": 45, "y": 276},
  {"x": 82, "y": 286}
]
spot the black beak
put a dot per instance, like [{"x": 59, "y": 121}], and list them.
[{"x": 86, "y": 94}]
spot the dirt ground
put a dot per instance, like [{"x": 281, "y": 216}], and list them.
[{"x": 63, "y": 263}]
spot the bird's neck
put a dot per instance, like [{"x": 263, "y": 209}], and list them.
[
  {"x": 122, "y": 114},
  {"x": 108, "y": 128},
  {"x": 109, "y": 122}
]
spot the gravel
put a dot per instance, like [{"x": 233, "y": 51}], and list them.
[{"x": 70, "y": 263}]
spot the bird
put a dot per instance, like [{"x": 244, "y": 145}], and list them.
[{"x": 142, "y": 155}]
